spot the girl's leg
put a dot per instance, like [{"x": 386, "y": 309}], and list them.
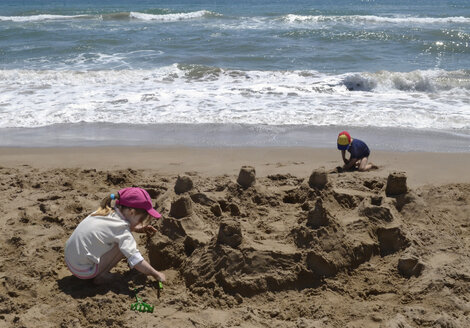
[{"x": 107, "y": 262}]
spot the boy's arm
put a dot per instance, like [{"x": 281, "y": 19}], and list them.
[
  {"x": 350, "y": 164},
  {"x": 343, "y": 154}
]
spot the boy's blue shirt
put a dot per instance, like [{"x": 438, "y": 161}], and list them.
[{"x": 358, "y": 149}]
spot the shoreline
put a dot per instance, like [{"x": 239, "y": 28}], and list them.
[
  {"x": 232, "y": 135},
  {"x": 422, "y": 168}
]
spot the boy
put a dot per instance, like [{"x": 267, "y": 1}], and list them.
[{"x": 359, "y": 153}]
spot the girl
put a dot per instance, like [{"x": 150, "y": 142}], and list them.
[{"x": 103, "y": 238}]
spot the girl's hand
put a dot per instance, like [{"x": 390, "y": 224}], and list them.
[
  {"x": 148, "y": 229},
  {"x": 160, "y": 276}
]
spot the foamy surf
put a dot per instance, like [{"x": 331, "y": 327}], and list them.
[
  {"x": 192, "y": 94},
  {"x": 163, "y": 17},
  {"x": 431, "y": 81},
  {"x": 362, "y": 19},
  {"x": 42, "y": 17},
  {"x": 171, "y": 17},
  {"x": 289, "y": 18}
]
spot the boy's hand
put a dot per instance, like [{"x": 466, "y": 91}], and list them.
[{"x": 350, "y": 164}]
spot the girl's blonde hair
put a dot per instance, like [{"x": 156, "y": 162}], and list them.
[{"x": 105, "y": 208}]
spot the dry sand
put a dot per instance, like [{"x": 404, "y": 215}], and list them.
[{"x": 288, "y": 251}]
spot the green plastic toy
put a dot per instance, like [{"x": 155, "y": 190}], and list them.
[
  {"x": 160, "y": 288},
  {"x": 141, "y": 306}
]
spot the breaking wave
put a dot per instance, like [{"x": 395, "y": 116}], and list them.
[
  {"x": 362, "y": 19},
  {"x": 200, "y": 94},
  {"x": 164, "y": 17},
  {"x": 43, "y": 17}
]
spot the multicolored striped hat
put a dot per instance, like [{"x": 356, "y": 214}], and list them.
[{"x": 344, "y": 140}]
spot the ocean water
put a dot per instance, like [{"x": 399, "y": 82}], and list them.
[{"x": 383, "y": 65}]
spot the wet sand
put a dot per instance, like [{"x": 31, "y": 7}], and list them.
[{"x": 422, "y": 167}]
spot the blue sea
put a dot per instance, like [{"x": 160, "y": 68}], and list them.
[{"x": 246, "y": 72}]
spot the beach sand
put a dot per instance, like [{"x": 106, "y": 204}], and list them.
[{"x": 294, "y": 249}]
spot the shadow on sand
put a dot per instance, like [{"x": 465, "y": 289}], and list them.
[{"x": 120, "y": 284}]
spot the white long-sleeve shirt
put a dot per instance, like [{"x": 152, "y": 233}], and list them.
[{"x": 97, "y": 235}]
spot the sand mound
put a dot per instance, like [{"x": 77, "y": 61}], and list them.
[
  {"x": 252, "y": 252},
  {"x": 329, "y": 250}
]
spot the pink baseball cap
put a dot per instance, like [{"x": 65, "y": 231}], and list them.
[{"x": 137, "y": 198}]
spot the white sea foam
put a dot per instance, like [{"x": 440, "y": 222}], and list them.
[
  {"x": 431, "y": 81},
  {"x": 198, "y": 94},
  {"x": 252, "y": 22},
  {"x": 43, "y": 17},
  {"x": 171, "y": 17},
  {"x": 363, "y": 19},
  {"x": 122, "y": 15}
]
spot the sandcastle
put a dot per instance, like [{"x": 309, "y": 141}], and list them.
[
  {"x": 247, "y": 176},
  {"x": 396, "y": 184},
  {"x": 338, "y": 229},
  {"x": 318, "y": 178},
  {"x": 183, "y": 184}
]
